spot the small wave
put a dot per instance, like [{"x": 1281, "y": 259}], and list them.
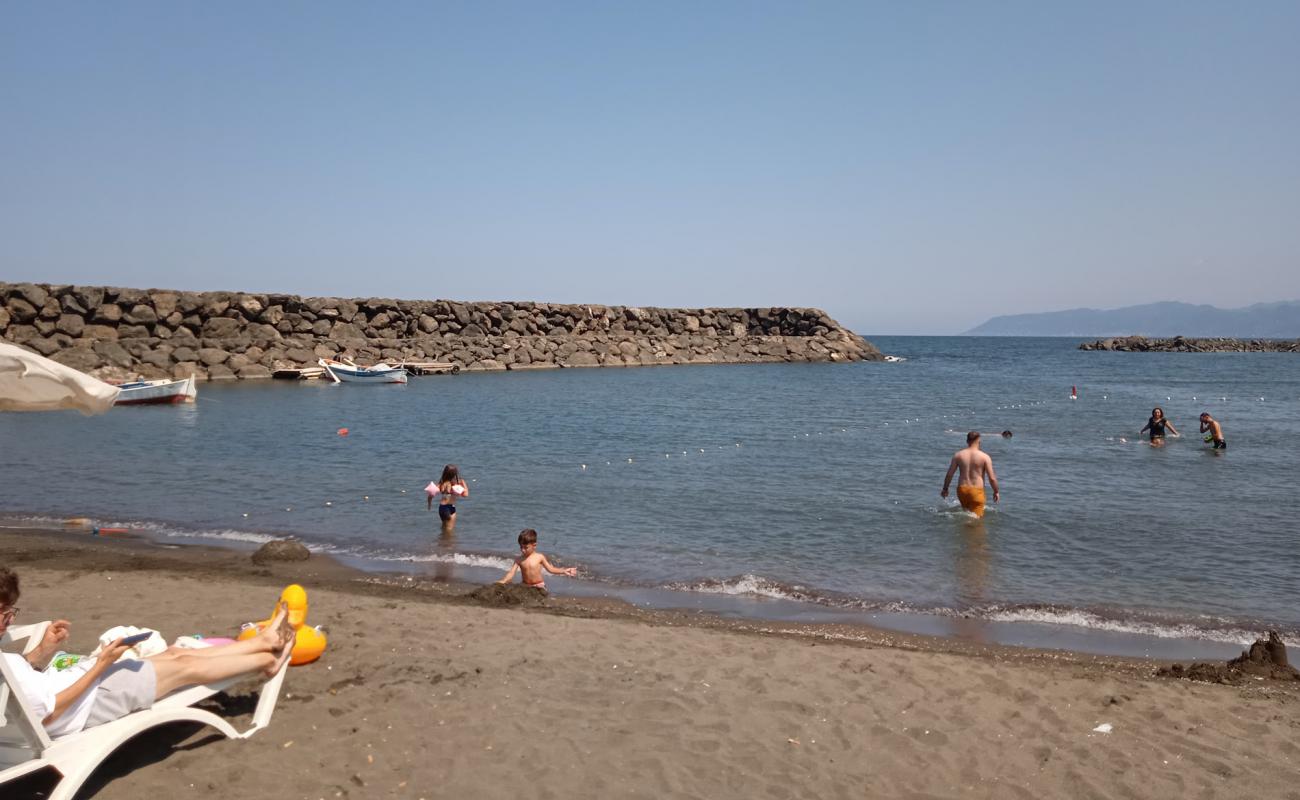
[
  {"x": 459, "y": 559},
  {"x": 1080, "y": 618},
  {"x": 753, "y": 586}
]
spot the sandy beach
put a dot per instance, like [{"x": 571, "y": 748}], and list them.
[{"x": 422, "y": 693}]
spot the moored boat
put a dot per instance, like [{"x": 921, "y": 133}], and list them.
[
  {"x": 350, "y": 373},
  {"x": 160, "y": 392}
]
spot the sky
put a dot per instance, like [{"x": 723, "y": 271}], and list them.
[{"x": 910, "y": 167}]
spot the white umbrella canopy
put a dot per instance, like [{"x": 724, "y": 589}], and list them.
[{"x": 31, "y": 382}]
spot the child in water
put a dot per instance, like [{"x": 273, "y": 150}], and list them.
[
  {"x": 449, "y": 487},
  {"x": 531, "y": 563}
]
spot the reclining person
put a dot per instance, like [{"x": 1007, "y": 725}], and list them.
[{"x": 99, "y": 690}]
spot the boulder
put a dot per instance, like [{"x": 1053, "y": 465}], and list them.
[
  {"x": 220, "y": 328},
  {"x": 113, "y": 354},
  {"x": 253, "y": 372},
  {"x": 21, "y": 310},
  {"x": 82, "y": 358},
  {"x": 140, "y": 314},
  {"x": 220, "y": 372},
  {"x": 88, "y": 297},
  {"x": 251, "y": 306},
  {"x": 71, "y": 324},
  {"x": 30, "y": 292},
  {"x": 46, "y": 346},
  {"x": 212, "y": 356},
  {"x": 164, "y": 303},
  {"x": 281, "y": 550},
  {"x": 581, "y": 359}
]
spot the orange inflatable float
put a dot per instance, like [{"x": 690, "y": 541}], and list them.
[{"x": 309, "y": 642}]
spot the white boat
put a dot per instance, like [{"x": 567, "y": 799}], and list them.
[
  {"x": 159, "y": 392},
  {"x": 350, "y": 373}
]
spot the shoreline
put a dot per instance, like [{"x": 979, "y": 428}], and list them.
[
  {"x": 738, "y": 613},
  {"x": 424, "y": 693}
]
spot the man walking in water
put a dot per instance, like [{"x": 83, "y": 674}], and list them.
[{"x": 974, "y": 465}]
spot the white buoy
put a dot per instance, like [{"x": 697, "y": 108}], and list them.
[
  {"x": 365, "y": 497},
  {"x": 245, "y": 514},
  {"x": 328, "y": 503},
  {"x": 629, "y": 461},
  {"x": 290, "y": 508},
  {"x": 584, "y": 466}
]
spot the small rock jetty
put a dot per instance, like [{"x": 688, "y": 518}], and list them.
[
  {"x": 1181, "y": 344},
  {"x": 115, "y": 333}
]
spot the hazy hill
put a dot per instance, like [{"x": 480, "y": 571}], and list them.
[{"x": 1262, "y": 320}]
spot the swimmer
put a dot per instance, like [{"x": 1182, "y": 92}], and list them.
[
  {"x": 1157, "y": 425},
  {"x": 1211, "y": 426},
  {"x": 531, "y": 563},
  {"x": 1006, "y": 434},
  {"x": 974, "y": 465},
  {"x": 450, "y": 486}
]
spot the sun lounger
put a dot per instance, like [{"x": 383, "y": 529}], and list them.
[{"x": 26, "y": 748}]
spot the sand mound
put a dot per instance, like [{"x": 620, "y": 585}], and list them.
[
  {"x": 509, "y": 594},
  {"x": 1266, "y": 658}
]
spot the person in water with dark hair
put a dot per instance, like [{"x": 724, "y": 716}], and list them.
[
  {"x": 1211, "y": 426},
  {"x": 1157, "y": 425},
  {"x": 449, "y": 487}
]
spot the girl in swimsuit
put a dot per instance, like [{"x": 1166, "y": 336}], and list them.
[
  {"x": 1157, "y": 425},
  {"x": 450, "y": 487}
]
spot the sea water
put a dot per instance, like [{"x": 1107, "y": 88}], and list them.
[{"x": 803, "y": 491}]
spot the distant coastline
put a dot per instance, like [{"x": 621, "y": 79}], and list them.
[{"x": 1279, "y": 320}]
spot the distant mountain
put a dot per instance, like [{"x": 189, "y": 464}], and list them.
[{"x": 1261, "y": 321}]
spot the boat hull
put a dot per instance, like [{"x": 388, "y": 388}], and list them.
[
  {"x": 157, "y": 393},
  {"x": 345, "y": 373}
]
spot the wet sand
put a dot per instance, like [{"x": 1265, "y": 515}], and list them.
[{"x": 423, "y": 693}]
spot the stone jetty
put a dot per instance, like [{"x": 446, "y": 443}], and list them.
[
  {"x": 1181, "y": 344},
  {"x": 115, "y": 333}
]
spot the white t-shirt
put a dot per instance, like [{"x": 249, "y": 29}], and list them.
[{"x": 40, "y": 689}]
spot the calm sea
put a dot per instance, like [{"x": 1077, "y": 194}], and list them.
[{"x": 785, "y": 491}]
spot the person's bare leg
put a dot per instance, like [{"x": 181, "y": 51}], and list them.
[
  {"x": 268, "y": 640},
  {"x": 190, "y": 669}
]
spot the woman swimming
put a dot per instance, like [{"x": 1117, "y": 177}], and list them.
[
  {"x": 1157, "y": 426},
  {"x": 450, "y": 486}
]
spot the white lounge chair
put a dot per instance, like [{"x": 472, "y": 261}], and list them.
[{"x": 25, "y": 747}]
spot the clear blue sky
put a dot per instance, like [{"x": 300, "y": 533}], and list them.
[{"x": 912, "y": 167}]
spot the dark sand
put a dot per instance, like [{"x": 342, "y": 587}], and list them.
[{"x": 425, "y": 693}]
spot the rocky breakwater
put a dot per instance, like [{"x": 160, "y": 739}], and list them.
[
  {"x": 1181, "y": 344},
  {"x": 113, "y": 332}
]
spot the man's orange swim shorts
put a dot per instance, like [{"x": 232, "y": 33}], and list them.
[{"x": 972, "y": 499}]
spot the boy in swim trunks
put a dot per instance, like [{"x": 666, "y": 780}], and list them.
[
  {"x": 531, "y": 563},
  {"x": 1211, "y": 425},
  {"x": 974, "y": 465}
]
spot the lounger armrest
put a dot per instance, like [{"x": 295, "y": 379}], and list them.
[{"x": 33, "y": 633}]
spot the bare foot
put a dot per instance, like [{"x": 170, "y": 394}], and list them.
[
  {"x": 285, "y": 652},
  {"x": 274, "y": 635}
]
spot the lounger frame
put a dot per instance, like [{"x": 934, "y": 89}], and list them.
[{"x": 25, "y": 747}]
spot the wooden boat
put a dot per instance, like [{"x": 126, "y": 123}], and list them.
[
  {"x": 350, "y": 373},
  {"x": 159, "y": 392}
]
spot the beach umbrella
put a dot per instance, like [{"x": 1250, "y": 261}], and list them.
[{"x": 31, "y": 382}]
